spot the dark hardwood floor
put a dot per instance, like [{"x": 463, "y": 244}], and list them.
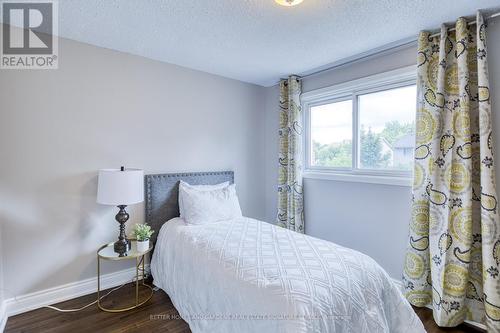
[
  {"x": 92, "y": 319},
  {"x": 158, "y": 315}
]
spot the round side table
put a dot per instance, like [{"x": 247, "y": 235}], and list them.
[{"x": 107, "y": 252}]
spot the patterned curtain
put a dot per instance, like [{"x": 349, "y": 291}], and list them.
[
  {"x": 290, "y": 198},
  {"x": 453, "y": 257}
]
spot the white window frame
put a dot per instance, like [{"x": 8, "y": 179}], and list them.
[{"x": 398, "y": 78}]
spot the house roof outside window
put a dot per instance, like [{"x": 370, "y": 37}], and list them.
[{"x": 407, "y": 141}]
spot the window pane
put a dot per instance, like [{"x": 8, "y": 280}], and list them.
[
  {"x": 387, "y": 129},
  {"x": 331, "y": 135}
]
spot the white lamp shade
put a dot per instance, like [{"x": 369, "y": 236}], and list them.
[{"x": 116, "y": 187}]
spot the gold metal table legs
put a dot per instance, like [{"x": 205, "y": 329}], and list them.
[{"x": 139, "y": 275}]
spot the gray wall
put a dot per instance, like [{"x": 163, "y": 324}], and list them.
[
  {"x": 370, "y": 218},
  {"x": 104, "y": 109},
  {"x": 1, "y": 273}
]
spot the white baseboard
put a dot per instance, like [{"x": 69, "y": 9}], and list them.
[
  {"x": 38, "y": 299},
  {"x": 3, "y": 316}
]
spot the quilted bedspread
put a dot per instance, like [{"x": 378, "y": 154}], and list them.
[{"x": 246, "y": 275}]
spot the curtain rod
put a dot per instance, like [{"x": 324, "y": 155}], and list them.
[
  {"x": 381, "y": 50},
  {"x": 468, "y": 23}
]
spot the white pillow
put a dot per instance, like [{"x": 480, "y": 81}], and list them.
[
  {"x": 183, "y": 184},
  {"x": 201, "y": 207}
]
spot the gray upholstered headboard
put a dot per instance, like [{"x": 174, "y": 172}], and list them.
[{"x": 162, "y": 192}]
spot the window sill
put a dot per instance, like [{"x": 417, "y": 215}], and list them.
[{"x": 359, "y": 178}]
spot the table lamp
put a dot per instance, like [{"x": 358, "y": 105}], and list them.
[{"x": 120, "y": 187}]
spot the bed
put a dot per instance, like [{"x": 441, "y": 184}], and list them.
[{"x": 245, "y": 275}]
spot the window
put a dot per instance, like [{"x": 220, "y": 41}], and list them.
[
  {"x": 363, "y": 130},
  {"x": 387, "y": 129},
  {"x": 331, "y": 134}
]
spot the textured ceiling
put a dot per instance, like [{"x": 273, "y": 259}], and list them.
[{"x": 255, "y": 41}]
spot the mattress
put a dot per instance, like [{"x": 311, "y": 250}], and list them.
[{"x": 246, "y": 275}]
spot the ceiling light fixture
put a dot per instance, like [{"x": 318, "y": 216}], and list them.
[{"x": 288, "y": 3}]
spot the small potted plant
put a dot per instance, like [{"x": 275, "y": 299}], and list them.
[{"x": 142, "y": 234}]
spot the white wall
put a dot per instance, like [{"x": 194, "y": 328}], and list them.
[
  {"x": 370, "y": 218},
  {"x": 101, "y": 109}
]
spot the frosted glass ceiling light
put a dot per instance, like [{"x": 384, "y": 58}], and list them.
[{"x": 288, "y": 3}]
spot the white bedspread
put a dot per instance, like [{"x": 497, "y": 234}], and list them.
[{"x": 250, "y": 276}]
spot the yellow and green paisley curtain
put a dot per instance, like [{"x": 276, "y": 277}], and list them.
[
  {"x": 453, "y": 258},
  {"x": 290, "y": 199}
]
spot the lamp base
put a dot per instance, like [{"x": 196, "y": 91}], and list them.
[{"x": 122, "y": 245}]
